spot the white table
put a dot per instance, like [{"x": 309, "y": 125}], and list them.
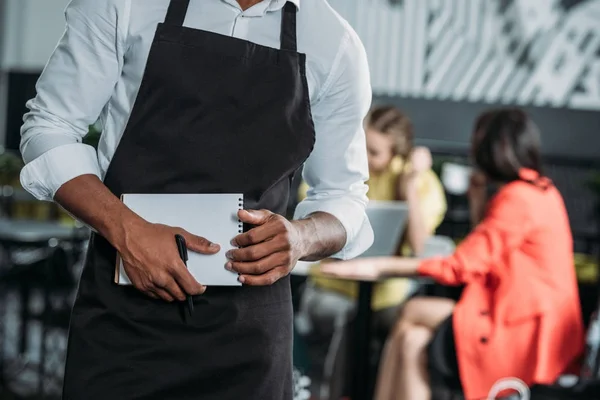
[{"x": 302, "y": 268}]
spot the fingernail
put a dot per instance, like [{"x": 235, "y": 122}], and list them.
[
  {"x": 241, "y": 279},
  {"x": 229, "y": 255},
  {"x": 229, "y": 266},
  {"x": 233, "y": 243},
  {"x": 213, "y": 245}
]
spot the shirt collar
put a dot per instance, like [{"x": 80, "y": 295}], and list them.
[
  {"x": 278, "y": 4},
  {"x": 274, "y": 5}
]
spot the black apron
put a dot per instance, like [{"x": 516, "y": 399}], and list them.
[{"x": 214, "y": 114}]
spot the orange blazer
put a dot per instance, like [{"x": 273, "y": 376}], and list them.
[{"x": 519, "y": 315}]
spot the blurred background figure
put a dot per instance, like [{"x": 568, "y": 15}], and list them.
[
  {"x": 435, "y": 67},
  {"x": 520, "y": 301},
  {"x": 399, "y": 171}
]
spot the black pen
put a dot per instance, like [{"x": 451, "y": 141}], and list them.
[{"x": 182, "y": 248}]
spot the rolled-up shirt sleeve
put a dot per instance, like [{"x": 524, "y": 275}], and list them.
[
  {"x": 74, "y": 87},
  {"x": 337, "y": 169}
]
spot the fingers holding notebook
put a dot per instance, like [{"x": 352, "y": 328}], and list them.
[
  {"x": 153, "y": 265},
  {"x": 267, "y": 252}
]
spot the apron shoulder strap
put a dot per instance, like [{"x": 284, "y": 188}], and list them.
[
  {"x": 288, "y": 27},
  {"x": 176, "y": 13}
]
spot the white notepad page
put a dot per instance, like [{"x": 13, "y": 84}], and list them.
[{"x": 212, "y": 216}]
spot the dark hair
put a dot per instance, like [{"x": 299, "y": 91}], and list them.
[
  {"x": 509, "y": 141},
  {"x": 484, "y": 119},
  {"x": 390, "y": 120}
]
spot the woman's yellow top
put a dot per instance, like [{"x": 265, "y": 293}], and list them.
[{"x": 383, "y": 187}]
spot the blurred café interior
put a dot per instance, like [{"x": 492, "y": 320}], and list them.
[{"x": 441, "y": 62}]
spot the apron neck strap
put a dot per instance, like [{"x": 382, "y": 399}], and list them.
[
  {"x": 176, "y": 13},
  {"x": 178, "y": 9},
  {"x": 288, "y": 27}
]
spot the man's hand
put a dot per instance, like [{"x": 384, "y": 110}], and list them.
[
  {"x": 148, "y": 251},
  {"x": 153, "y": 264},
  {"x": 269, "y": 251}
]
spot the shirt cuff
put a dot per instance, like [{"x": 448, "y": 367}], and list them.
[
  {"x": 352, "y": 216},
  {"x": 43, "y": 176},
  {"x": 431, "y": 267}
]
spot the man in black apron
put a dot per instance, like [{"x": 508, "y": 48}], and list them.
[{"x": 214, "y": 114}]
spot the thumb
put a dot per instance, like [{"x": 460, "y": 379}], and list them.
[
  {"x": 199, "y": 244},
  {"x": 254, "y": 217}
]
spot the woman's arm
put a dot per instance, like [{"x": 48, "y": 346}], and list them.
[
  {"x": 370, "y": 269},
  {"x": 401, "y": 267},
  {"x": 503, "y": 229},
  {"x": 416, "y": 231},
  {"x": 420, "y": 188}
]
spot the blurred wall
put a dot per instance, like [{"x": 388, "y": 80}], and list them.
[
  {"x": 526, "y": 52},
  {"x": 2, "y": 75},
  {"x": 444, "y": 61},
  {"x": 441, "y": 60},
  {"x": 30, "y": 32},
  {"x": 2, "y": 34}
]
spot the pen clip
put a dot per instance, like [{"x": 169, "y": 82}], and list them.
[{"x": 181, "y": 247}]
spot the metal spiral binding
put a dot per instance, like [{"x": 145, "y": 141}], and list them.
[{"x": 240, "y": 223}]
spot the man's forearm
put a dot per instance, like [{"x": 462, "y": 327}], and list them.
[
  {"x": 323, "y": 235},
  {"x": 88, "y": 199}
]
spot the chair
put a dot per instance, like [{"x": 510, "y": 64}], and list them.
[
  {"x": 336, "y": 364},
  {"x": 51, "y": 275},
  {"x": 301, "y": 386},
  {"x": 37, "y": 264},
  {"x": 591, "y": 364},
  {"x": 586, "y": 386}
]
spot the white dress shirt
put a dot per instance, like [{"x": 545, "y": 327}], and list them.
[{"x": 95, "y": 72}]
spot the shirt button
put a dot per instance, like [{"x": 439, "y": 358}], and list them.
[
  {"x": 484, "y": 313},
  {"x": 483, "y": 340}
]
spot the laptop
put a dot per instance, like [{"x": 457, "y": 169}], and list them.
[{"x": 389, "y": 220}]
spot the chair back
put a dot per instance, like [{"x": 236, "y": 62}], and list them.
[{"x": 591, "y": 364}]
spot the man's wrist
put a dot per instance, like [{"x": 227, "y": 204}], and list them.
[
  {"x": 321, "y": 235},
  {"x": 118, "y": 231},
  {"x": 88, "y": 199},
  {"x": 305, "y": 228}
]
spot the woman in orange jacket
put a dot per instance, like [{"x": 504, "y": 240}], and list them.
[{"x": 519, "y": 314}]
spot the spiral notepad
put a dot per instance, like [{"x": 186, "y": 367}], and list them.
[{"x": 213, "y": 216}]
